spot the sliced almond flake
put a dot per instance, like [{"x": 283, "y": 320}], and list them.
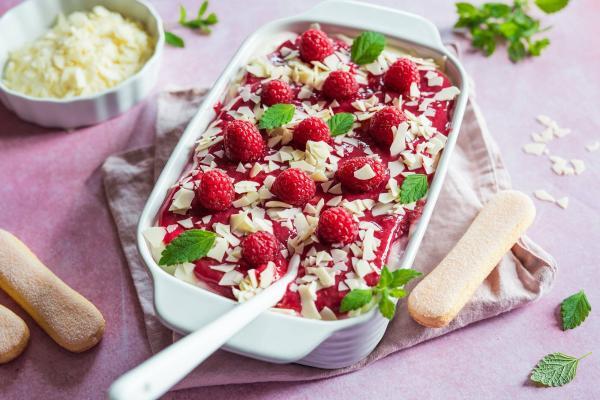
[
  {"x": 172, "y": 228},
  {"x": 277, "y": 203},
  {"x": 245, "y": 186},
  {"x": 447, "y": 94},
  {"x": 433, "y": 79},
  {"x": 154, "y": 235},
  {"x": 267, "y": 275},
  {"x": 327, "y": 314},
  {"x": 534, "y": 148},
  {"x": 342, "y": 287},
  {"x": 365, "y": 173},
  {"x": 217, "y": 252},
  {"x": 414, "y": 90},
  {"x": 255, "y": 170},
  {"x": 543, "y": 195},
  {"x": 185, "y": 272},
  {"x": 206, "y": 219},
  {"x": 395, "y": 167},
  {"x": 309, "y": 308},
  {"x": 334, "y": 201},
  {"x": 578, "y": 166},
  {"x": 336, "y": 189},
  {"x": 231, "y": 278},
  {"x": 563, "y": 202},
  {"x": 182, "y": 201},
  {"x": 594, "y": 146},
  {"x": 399, "y": 142},
  {"x": 222, "y": 267}
]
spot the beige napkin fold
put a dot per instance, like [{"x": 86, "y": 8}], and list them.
[{"x": 476, "y": 172}]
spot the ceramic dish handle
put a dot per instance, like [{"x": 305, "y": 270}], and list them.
[{"x": 376, "y": 18}]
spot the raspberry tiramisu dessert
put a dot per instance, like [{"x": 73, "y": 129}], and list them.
[{"x": 324, "y": 147}]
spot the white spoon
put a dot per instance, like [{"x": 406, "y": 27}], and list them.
[{"x": 158, "y": 374}]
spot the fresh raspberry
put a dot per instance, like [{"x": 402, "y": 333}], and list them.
[
  {"x": 348, "y": 166},
  {"x": 401, "y": 75},
  {"x": 294, "y": 186},
  {"x": 336, "y": 225},
  {"x": 259, "y": 248},
  {"x": 340, "y": 85},
  {"x": 242, "y": 141},
  {"x": 312, "y": 128},
  {"x": 381, "y": 124},
  {"x": 315, "y": 45},
  {"x": 215, "y": 191},
  {"x": 276, "y": 92}
]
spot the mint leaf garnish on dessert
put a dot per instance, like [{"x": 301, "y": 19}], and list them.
[
  {"x": 556, "y": 369},
  {"x": 494, "y": 23},
  {"x": 200, "y": 22},
  {"x": 173, "y": 39},
  {"x": 390, "y": 286},
  {"x": 413, "y": 188},
  {"x": 340, "y": 123},
  {"x": 367, "y": 47},
  {"x": 574, "y": 310},
  {"x": 191, "y": 245},
  {"x": 276, "y": 116},
  {"x": 356, "y": 299}
]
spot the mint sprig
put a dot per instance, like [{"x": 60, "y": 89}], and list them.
[
  {"x": 556, "y": 369},
  {"x": 367, "y": 47},
  {"x": 277, "y": 115},
  {"x": 574, "y": 310},
  {"x": 189, "y": 246},
  {"x": 390, "y": 286},
  {"x": 493, "y": 23},
  {"x": 340, "y": 123},
  {"x": 414, "y": 187}
]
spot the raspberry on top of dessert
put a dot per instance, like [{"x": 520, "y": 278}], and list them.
[{"x": 310, "y": 155}]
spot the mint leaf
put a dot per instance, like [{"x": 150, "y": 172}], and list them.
[
  {"x": 182, "y": 14},
  {"x": 173, "y": 39},
  {"x": 340, "y": 123},
  {"x": 276, "y": 116},
  {"x": 401, "y": 277},
  {"x": 356, "y": 299},
  {"x": 202, "y": 9},
  {"x": 556, "y": 369},
  {"x": 413, "y": 188},
  {"x": 385, "y": 278},
  {"x": 387, "y": 307},
  {"x": 367, "y": 47},
  {"x": 398, "y": 293},
  {"x": 535, "y": 48},
  {"x": 516, "y": 51},
  {"x": 551, "y": 6},
  {"x": 189, "y": 246},
  {"x": 574, "y": 310}
]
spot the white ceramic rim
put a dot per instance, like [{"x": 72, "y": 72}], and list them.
[
  {"x": 160, "y": 40},
  {"x": 158, "y": 194}
]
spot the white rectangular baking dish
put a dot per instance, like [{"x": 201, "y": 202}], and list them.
[{"x": 276, "y": 337}]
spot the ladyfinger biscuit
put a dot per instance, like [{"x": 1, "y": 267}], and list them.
[
  {"x": 438, "y": 298},
  {"x": 14, "y": 335},
  {"x": 68, "y": 317}
]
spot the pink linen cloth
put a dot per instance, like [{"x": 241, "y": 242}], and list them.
[{"x": 476, "y": 172}]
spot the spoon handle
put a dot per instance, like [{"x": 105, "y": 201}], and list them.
[{"x": 159, "y": 373}]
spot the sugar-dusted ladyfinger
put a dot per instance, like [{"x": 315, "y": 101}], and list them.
[
  {"x": 14, "y": 335},
  {"x": 68, "y": 317},
  {"x": 438, "y": 298}
]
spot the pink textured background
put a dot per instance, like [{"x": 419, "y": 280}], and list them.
[{"x": 51, "y": 197}]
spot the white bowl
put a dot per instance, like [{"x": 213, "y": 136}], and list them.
[
  {"x": 273, "y": 336},
  {"x": 31, "y": 19}
]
